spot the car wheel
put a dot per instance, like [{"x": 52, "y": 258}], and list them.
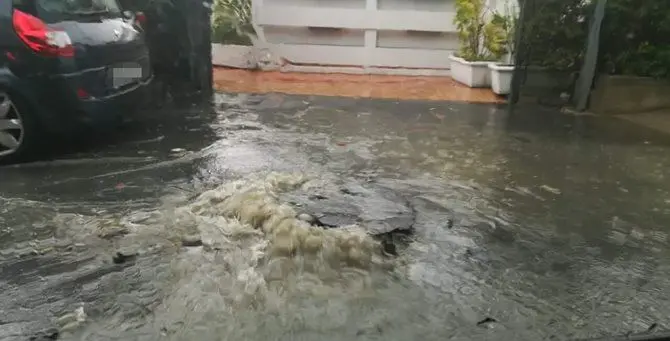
[{"x": 18, "y": 130}]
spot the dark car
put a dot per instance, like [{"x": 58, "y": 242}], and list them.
[
  {"x": 66, "y": 65},
  {"x": 178, "y": 33}
]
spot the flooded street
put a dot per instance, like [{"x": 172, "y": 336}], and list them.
[{"x": 278, "y": 217}]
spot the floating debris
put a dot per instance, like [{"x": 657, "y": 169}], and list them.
[
  {"x": 486, "y": 321},
  {"x": 72, "y": 320},
  {"x": 191, "y": 240},
  {"x": 551, "y": 189}
]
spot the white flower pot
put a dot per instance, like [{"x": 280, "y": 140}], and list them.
[
  {"x": 472, "y": 74},
  {"x": 501, "y": 78}
]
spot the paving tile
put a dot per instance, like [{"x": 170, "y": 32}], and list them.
[{"x": 345, "y": 85}]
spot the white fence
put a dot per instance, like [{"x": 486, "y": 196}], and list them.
[{"x": 361, "y": 36}]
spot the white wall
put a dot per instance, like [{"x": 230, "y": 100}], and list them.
[
  {"x": 369, "y": 34},
  {"x": 417, "y": 5}
]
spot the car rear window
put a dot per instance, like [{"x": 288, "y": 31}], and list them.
[{"x": 52, "y": 11}]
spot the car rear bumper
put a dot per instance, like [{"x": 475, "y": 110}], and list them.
[
  {"x": 63, "y": 109},
  {"x": 98, "y": 112}
]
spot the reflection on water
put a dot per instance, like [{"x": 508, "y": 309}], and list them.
[{"x": 522, "y": 231}]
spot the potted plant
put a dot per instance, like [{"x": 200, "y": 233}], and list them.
[
  {"x": 503, "y": 30},
  {"x": 470, "y": 65}
]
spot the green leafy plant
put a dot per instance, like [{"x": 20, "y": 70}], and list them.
[
  {"x": 634, "y": 38},
  {"x": 554, "y": 33},
  {"x": 508, "y": 25},
  {"x": 231, "y": 22},
  {"x": 480, "y": 39},
  {"x": 495, "y": 36}
]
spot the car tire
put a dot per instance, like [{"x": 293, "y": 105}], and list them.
[{"x": 20, "y": 133}]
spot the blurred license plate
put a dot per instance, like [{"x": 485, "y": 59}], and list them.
[{"x": 122, "y": 76}]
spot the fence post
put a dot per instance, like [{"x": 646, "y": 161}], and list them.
[
  {"x": 370, "y": 38},
  {"x": 516, "y": 77},
  {"x": 587, "y": 73}
]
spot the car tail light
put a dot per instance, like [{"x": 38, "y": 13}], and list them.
[
  {"x": 83, "y": 94},
  {"x": 140, "y": 18},
  {"x": 41, "y": 38}
]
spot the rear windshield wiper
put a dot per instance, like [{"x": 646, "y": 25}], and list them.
[{"x": 88, "y": 13}]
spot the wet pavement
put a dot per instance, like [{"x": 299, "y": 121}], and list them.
[{"x": 252, "y": 220}]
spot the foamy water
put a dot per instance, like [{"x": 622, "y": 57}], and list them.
[{"x": 256, "y": 258}]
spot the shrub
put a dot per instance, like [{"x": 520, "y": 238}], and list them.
[
  {"x": 231, "y": 22},
  {"x": 634, "y": 38},
  {"x": 480, "y": 40},
  {"x": 554, "y": 34}
]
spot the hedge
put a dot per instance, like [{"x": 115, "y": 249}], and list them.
[{"x": 635, "y": 36}]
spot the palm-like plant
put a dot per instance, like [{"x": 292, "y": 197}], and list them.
[
  {"x": 511, "y": 18},
  {"x": 482, "y": 32},
  {"x": 470, "y": 21},
  {"x": 232, "y": 17}
]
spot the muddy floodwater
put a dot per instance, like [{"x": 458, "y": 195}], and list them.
[{"x": 274, "y": 217}]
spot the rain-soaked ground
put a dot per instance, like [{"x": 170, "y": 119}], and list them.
[{"x": 252, "y": 221}]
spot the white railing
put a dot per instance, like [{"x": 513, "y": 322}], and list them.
[{"x": 363, "y": 36}]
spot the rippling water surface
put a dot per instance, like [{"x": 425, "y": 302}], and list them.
[{"x": 192, "y": 226}]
